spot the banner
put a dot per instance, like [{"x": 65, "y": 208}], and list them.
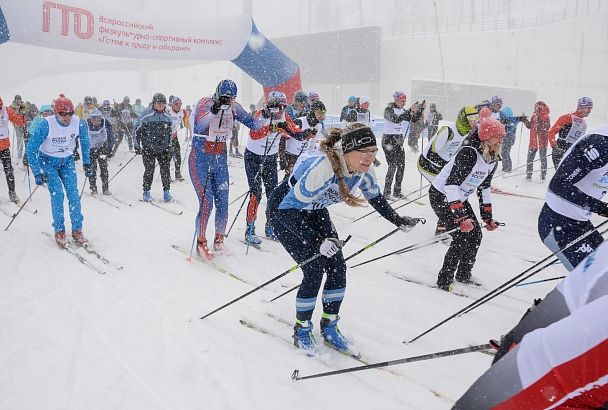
[{"x": 86, "y": 27}]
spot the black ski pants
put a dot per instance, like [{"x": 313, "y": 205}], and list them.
[
  {"x": 392, "y": 144},
  {"x": 164, "y": 162}
]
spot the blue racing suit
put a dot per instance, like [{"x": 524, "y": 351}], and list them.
[{"x": 59, "y": 168}]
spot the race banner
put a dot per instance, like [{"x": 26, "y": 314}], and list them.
[{"x": 88, "y": 27}]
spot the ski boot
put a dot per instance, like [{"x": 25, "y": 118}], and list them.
[
  {"x": 332, "y": 335},
  {"x": 167, "y": 196},
  {"x": 203, "y": 250},
  {"x": 179, "y": 177},
  {"x": 79, "y": 239},
  {"x": 106, "y": 191},
  {"x": 304, "y": 339},
  {"x": 445, "y": 280},
  {"x": 237, "y": 154},
  {"x": 269, "y": 231},
  {"x": 61, "y": 240},
  {"x": 147, "y": 196},
  {"x": 93, "y": 190},
  {"x": 399, "y": 195},
  {"x": 251, "y": 238},
  {"x": 12, "y": 196},
  {"x": 218, "y": 243}
]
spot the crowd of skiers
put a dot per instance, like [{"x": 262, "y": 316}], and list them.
[{"x": 322, "y": 166}]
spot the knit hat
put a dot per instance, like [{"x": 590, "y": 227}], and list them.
[
  {"x": 300, "y": 96},
  {"x": 496, "y": 100},
  {"x": 313, "y": 96},
  {"x": 63, "y": 104},
  {"x": 399, "y": 95},
  {"x": 95, "y": 113},
  {"x": 318, "y": 106},
  {"x": 352, "y": 98},
  {"x": 364, "y": 100},
  {"x": 489, "y": 128},
  {"x": 584, "y": 102},
  {"x": 45, "y": 108},
  {"x": 485, "y": 112},
  {"x": 357, "y": 138}
]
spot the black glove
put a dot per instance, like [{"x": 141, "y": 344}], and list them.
[
  {"x": 406, "y": 224},
  {"x": 266, "y": 113},
  {"x": 88, "y": 172},
  {"x": 282, "y": 125}
]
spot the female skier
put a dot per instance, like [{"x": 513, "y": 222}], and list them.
[{"x": 298, "y": 214}]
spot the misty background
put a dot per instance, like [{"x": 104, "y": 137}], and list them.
[{"x": 555, "y": 51}]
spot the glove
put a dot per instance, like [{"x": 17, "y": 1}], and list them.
[
  {"x": 406, "y": 224},
  {"x": 282, "y": 125},
  {"x": 329, "y": 247},
  {"x": 40, "y": 179},
  {"x": 266, "y": 113},
  {"x": 88, "y": 172},
  {"x": 461, "y": 217},
  {"x": 215, "y": 108},
  {"x": 491, "y": 224}
]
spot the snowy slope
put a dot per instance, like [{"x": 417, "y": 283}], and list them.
[{"x": 132, "y": 339}]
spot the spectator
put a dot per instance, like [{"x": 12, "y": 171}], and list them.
[{"x": 539, "y": 125}]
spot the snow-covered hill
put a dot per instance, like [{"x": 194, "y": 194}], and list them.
[{"x": 132, "y": 339}]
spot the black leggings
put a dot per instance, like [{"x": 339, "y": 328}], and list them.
[{"x": 462, "y": 252}]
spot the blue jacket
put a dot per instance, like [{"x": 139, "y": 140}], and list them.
[
  {"x": 510, "y": 123},
  {"x": 40, "y": 134}
]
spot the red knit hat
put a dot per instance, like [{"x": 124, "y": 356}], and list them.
[
  {"x": 63, "y": 104},
  {"x": 489, "y": 128}
]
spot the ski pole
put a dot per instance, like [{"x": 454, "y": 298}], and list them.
[
  {"x": 123, "y": 167},
  {"x": 238, "y": 197},
  {"x": 292, "y": 269},
  {"x": 20, "y": 208},
  {"x": 446, "y": 353},
  {"x": 539, "y": 281},
  {"x": 410, "y": 248},
  {"x": 397, "y": 200},
  {"x": 366, "y": 247},
  {"x": 84, "y": 184},
  {"x": 237, "y": 214},
  {"x": 486, "y": 297}
]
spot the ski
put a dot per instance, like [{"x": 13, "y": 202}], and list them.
[
  {"x": 258, "y": 247},
  {"x": 120, "y": 201},
  {"x": 78, "y": 256},
  {"x": 101, "y": 258},
  {"x": 212, "y": 264},
  {"x": 351, "y": 354},
  {"x": 105, "y": 201},
  {"x": 289, "y": 340},
  {"x": 417, "y": 282},
  {"x": 164, "y": 208}
]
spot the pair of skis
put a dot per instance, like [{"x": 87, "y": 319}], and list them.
[{"x": 73, "y": 250}]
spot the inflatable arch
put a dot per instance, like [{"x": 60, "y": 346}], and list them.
[{"x": 90, "y": 28}]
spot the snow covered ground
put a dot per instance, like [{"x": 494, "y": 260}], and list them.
[{"x": 132, "y": 339}]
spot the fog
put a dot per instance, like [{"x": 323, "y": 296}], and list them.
[{"x": 556, "y": 49}]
